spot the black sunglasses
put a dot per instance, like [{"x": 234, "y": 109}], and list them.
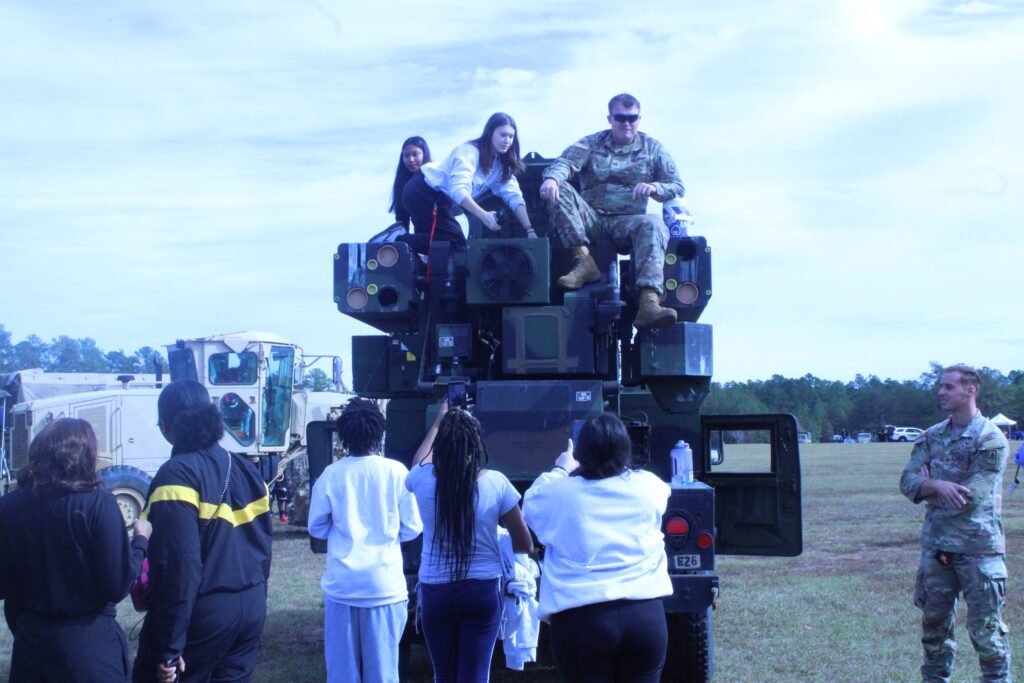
[{"x": 626, "y": 118}]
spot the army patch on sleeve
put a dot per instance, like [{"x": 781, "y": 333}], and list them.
[
  {"x": 989, "y": 460},
  {"x": 578, "y": 153},
  {"x": 670, "y": 167}
]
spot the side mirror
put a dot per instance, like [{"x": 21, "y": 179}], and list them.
[
  {"x": 299, "y": 374},
  {"x": 336, "y": 372},
  {"x": 717, "y": 453}
]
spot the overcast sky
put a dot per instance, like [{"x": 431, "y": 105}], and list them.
[{"x": 177, "y": 169}]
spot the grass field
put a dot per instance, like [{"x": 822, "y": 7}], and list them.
[{"x": 842, "y": 611}]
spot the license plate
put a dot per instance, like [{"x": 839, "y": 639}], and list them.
[{"x": 686, "y": 561}]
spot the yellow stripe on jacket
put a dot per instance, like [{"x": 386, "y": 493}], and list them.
[{"x": 185, "y": 494}]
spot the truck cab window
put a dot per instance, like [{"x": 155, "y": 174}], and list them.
[
  {"x": 233, "y": 368},
  {"x": 277, "y": 395},
  {"x": 239, "y": 418},
  {"x": 182, "y": 364}
]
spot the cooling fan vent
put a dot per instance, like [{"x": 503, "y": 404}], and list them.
[{"x": 507, "y": 272}]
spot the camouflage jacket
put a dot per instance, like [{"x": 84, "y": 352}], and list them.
[
  {"x": 609, "y": 172},
  {"x": 975, "y": 459}
]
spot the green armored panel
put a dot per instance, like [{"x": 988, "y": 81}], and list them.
[
  {"x": 687, "y": 276},
  {"x": 683, "y": 350},
  {"x": 508, "y": 271},
  {"x": 376, "y": 283},
  {"x": 546, "y": 340}
]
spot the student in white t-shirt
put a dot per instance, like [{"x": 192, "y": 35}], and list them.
[
  {"x": 361, "y": 507},
  {"x": 460, "y": 569},
  {"x": 604, "y": 570}
]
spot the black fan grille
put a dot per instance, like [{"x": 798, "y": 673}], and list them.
[{"x": 507, "y": 272}]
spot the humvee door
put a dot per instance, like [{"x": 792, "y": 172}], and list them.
[{"x": 753, "y": 463}]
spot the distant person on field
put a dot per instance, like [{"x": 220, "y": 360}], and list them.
[
  {"x": 361, "y": 507},
  {"x": 605, "y": 571},
  {"x": 956, "y": 468},
  {"x": 65, "y": 563},
  {"x": 415, "y": 153},
  {"x": 461, "y": 568}
]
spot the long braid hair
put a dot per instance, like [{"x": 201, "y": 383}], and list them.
[
  {"x": 361, "y": 427},
  {"x": 459, "y": 452}
]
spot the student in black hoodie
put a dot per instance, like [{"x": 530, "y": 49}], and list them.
[
  {"x": 65, "y": 561},
  {"x": 210, "y": 552}
]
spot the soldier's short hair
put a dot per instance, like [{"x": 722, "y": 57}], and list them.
[
  {"x": 625, "y": 99},
  {"x": 969, "y": 377}
]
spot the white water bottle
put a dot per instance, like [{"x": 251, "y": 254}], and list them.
[{"x": 682, "y": 463}]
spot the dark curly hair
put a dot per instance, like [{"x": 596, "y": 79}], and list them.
[
  {"x": 459, "y": 453},
  {"x": 604, "y": 449},
  {"x": 361, "y": 427},
  {"x": 61, "y": 459},
  {"x": 184, "y": 405}
]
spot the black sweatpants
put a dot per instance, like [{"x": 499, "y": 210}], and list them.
[
  {"x": 618, "y": 641},
  {"x": 223, "y": 639},
  {"x": 420, "y": 201},
  {"x": 88, "y": 649}
]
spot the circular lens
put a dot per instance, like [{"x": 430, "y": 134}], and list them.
[
  {"x": 371, "y": 289},
  {"x": 671, "y": 284},
  {"x": 670, "y": 259},
  {"x": 686, "y": 249},
  {"x": 388, "y": 296},
  {"x": 357, "y": 299},
  {"x": 387, "y": 256},
  {"x": 687, "y": 293},
  {"x": 371, "y": 264}
]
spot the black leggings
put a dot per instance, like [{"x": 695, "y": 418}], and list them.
[
  {"x": 611, "y": 642},
  {"x": 420, "y": 201}
]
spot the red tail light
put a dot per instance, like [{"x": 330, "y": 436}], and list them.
[
  {"x": 704, "y": 540},
  {"x": 677, "y": 526}
]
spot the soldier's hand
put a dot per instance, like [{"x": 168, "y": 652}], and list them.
[
  {"x": 549, "y": 190},
  {"x": 643, "y": 190},
  {"x": 141, "y": 527},
  {"x": 490, "y": 221},
  {"x": 950, "y": 493}
]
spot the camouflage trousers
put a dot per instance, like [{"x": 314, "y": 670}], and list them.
[
  {"x": 644, "y": 237},
  {"x": 982, "y": 580}
]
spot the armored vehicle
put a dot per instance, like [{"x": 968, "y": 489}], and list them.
[{"x": 488, "y": 320}]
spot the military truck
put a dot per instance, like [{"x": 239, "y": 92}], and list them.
[
  {"x": 488, "y": 320},
  {"x": 254, "y": 378}
]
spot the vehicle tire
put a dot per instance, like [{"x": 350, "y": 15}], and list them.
[
  {"x": 296, "y": 476},
  {"x": 691, "y": 648},
  {"x": 903, "y": 438},
  {"x": 130, "y": 486}
]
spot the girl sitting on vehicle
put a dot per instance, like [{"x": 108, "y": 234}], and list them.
[
  {"x": 489, "y": 162},
  {"x": 415, "y": 153}
]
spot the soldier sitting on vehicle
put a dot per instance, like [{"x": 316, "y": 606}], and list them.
[{"x": 618, "y": 169}]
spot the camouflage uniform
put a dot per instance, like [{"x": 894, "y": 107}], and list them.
[
  {"x": 972, "y": 540},
  {"x": 607, "y": 175}
]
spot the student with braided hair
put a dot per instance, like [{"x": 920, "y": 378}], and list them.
[
  {"x": 361, "y": 507},
  {"x": 460, "y": 571}
]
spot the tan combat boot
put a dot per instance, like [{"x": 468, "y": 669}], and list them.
[
  {"x": 584, "y": 269},
  {"x": 650, "y": 313}
]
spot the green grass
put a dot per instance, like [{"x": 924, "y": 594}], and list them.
[{"x": 842, "y": 611}]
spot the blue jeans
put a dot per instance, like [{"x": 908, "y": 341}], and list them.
[{"x": 460, "y": 625}]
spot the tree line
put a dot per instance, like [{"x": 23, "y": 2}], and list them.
[
  {"x": 822, "y": 407},
  {"x": 825, "y": 407}
]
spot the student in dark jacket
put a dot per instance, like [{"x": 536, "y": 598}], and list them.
[
  {"x": 65, "y": 561},
  {"x": 210, "y": 553}
]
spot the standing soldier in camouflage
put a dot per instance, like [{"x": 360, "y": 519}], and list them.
[
  {"x": 957, "y": 469},
  {"x": 618, "y": 170}
]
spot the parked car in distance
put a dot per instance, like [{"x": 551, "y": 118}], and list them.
[
  {"x": 905, "y": 433},
  {"x": 863, "y": 437},
  {"x": 803, "y": 437}
]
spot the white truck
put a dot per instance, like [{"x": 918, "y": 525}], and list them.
[{"x": 254, "y": 378}]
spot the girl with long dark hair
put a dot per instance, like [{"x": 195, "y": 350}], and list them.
[
  {"x": 605, "y": 570},
  {"x": 490, "y": 162},
  {"x": 210, "y": 552},
  {"x": 415, "y": 153},
  {"x": 65, "y": 562},
  {"x": 460, "y": 570}
]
